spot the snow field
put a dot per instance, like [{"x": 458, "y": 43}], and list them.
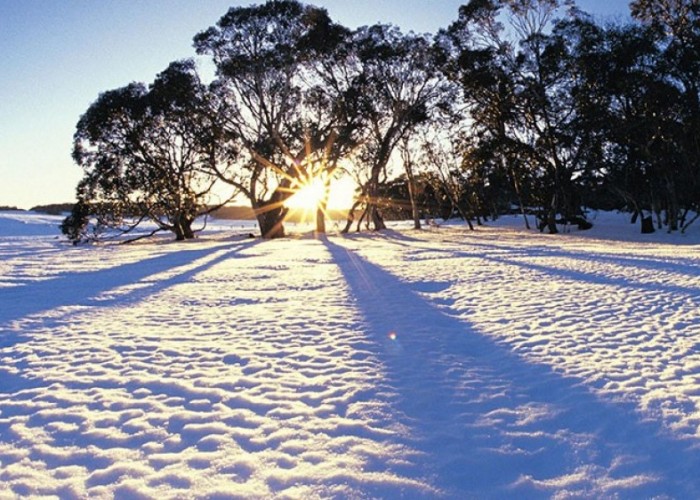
[{"x": 440, "y": 363}]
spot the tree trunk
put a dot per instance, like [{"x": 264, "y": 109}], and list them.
[
  {"x": 351, "y": 217},
  {"x": 647, "y": 225},
  {"x": 673, "y": 206},
  {"x": 321, "y": 209},
  {"x": 379, "y": 165},
  {"x": 270, "y": 218},
  {"x": 552, "y": 216},
  {"x": 320, "y": 220},
  {"x": 414, "y": 205},
  {"x": 464, "y": 216},
  {"x": 408, "y": 166},
  {"x": 377, "y": 218},
  {"x": 372, "y": 202},
  {"x": 182, "y": 227},
  {"x": 365, "y": 214},
  {"x": 516, "y": 185},
  {"x": 186, "y": 223}
]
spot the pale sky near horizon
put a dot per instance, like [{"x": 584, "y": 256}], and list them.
[{"x": 59, "y": 55}]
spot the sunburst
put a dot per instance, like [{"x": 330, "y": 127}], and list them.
[
  {"x": 310, "y": 194},
  {"x": 310, "y": 188}
]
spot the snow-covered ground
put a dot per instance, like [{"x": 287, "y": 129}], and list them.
[{"x": 441, "y": 363}]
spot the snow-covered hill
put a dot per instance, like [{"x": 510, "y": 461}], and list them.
[{"x": 440, "y": 363}]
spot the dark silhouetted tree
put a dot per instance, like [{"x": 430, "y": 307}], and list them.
[
  {"x": 146, "y": 152},
  {"x": 288, "y": 123},
  {"x": 400, "y": 86},
  {"x": 519, "y": 89}
]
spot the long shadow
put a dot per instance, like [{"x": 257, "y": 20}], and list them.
[
  {"x": 489, "y": 424},
  {"x": 85, "y": 288},
  {"x": 541, "y": 251},
  {"x": 598, "y": 279},
  {"x": 682, "y": 265}
]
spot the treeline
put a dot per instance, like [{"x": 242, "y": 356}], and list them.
[
  {"x": 51, "y": 209},
  {"x": 518, "y": 103}
]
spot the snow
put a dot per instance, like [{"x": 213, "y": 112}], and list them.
[{"x": 440, "y": 363}]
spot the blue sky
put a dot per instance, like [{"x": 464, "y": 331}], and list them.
[{"x": 58, "y": 55}]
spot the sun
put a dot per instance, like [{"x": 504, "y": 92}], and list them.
[{"x": 308, "y": 196}]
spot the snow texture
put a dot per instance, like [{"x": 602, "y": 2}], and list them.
[{"x": 442, "y": 363}]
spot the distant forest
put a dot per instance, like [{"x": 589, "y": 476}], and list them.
[{"x": 525, "y": 105}]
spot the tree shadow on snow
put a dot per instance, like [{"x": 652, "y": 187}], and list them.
[
  {"x": 490, "y": 424},
  {"x": 101, "y": 288},
  {"x": 89, "y": 289},
  {"x": 679, "y": 264}
]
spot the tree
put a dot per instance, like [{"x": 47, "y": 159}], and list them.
[
  {"x": 145, "y": 152},
  {"x": 399, "y": 86},
  {"x": 676, "y": 26},
  {"x": 287, "y": 125},
  {"x": 635, "y": 91},
  {"x": 445, "y": 159},
  {"x": 484, "y": 63},
  {"x": 613, "y": 76},
  {"x": 519, "y": 89}
]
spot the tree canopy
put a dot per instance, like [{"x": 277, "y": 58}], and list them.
[
  {"x": 518, "y": 103},
  {"x": 146, "y": 153}
]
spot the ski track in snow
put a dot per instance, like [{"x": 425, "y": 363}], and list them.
[{"x": 440, "y": 363}]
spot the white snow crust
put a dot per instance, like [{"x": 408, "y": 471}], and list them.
[{"x": 443, "y": 363}]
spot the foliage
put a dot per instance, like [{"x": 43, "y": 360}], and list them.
[
  {"x": 400, "y": 88},
  {"x": 527, "y": 103},
  {"x": 53, "y": 208},
  {"x": 572, "y": 112},
  {"x": 270, "y": 59},
  {"x": 145, "y": 152}
]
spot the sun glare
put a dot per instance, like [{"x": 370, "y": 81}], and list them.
[
  {"x": 308, "y": 196},
  {"x": 342, "y": 194}
]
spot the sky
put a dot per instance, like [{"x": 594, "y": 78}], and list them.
[{"x": 58, "y": 56}]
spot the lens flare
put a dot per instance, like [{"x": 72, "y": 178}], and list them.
[{"x": 308, "y": 196}]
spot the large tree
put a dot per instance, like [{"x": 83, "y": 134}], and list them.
[
  {"x": 146, "y": 152},
  {"x": 675, "y": 153},
  {"x": 288, "y": 126},
  {"x": 400, "y": 87},
  {"x": 636, "y": 85},
  {"x": 519, "y": 87}
]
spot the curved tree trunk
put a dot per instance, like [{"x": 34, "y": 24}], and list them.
[
  {"x": 270, "y": 217},
  {"x": 351, "y": 217},
  {"x": 412, "y": 188},
  {"x": 518, "y": 192}
]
